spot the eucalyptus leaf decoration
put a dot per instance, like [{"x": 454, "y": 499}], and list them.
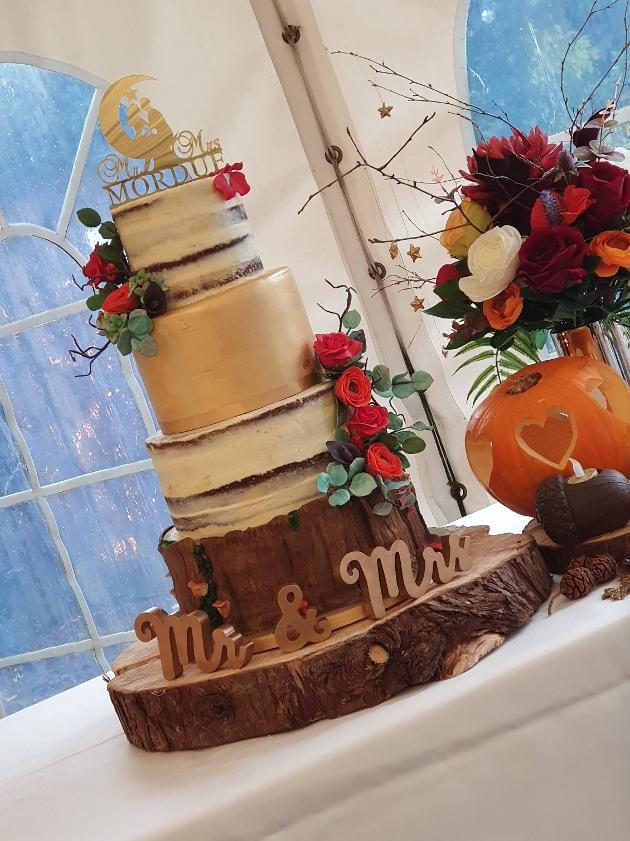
[
  {"x": 371, "y": 442},
  {"x": 126, "y": 303}
]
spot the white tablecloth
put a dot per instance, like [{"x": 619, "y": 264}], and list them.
[{"x": 533, "y": 744}]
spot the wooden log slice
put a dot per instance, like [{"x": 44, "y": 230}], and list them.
[
  {"x": 434, "y": 637},
  {"x": 558, "y": 558},
  {"x": 250, "y": 567}
]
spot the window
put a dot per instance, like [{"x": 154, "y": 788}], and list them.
[
  {"x": 514, "y": 53},
  {"x": 80, "y": 506}
]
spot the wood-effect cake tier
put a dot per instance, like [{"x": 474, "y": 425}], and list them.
[
  {"x": 439, "y": 635},
  {"x": 249, "y": 567}
]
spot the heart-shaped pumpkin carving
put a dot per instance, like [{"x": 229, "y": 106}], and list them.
[{"x": 551, "y": 440}]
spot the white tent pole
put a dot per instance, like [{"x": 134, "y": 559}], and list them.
[{"x": 321, "y": 117}]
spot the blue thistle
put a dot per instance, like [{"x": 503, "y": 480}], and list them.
[
  {"x": 566, "y": 161},
  {"x": 551, "y": 207}
]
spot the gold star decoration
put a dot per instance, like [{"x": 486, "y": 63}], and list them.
[
  {"x": 393, "y": 250},
  {"x": 385, "y": 110},
  {"x": 414, "y": 252},
  {"x": 417, "y": 304}
]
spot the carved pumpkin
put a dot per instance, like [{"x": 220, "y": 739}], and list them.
[{"x": 539, "y": 418}]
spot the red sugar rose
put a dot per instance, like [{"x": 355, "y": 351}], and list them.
[
  {"x": 119, "y": 301},
  {"x": 368, "y": 420},
  {"x": 335, "y": 349},
  {"x": 382, "y": 462},
  {"x": 98, "y": 270}
]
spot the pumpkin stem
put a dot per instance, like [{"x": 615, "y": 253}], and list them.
[{"x": 524, "y": 383}]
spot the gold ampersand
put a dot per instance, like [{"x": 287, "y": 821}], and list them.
[{"x": 293, "y": 630}]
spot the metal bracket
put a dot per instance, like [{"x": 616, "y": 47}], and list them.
[{"x": 291, "y": 34}]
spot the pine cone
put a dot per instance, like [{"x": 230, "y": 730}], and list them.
[
  {"x": 578, "y": 563},
  {"x": 603, "y": 567},
  {"x": 577, "y": 583}
]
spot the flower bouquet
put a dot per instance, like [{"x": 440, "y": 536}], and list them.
[{"x": 540, "y": 239}]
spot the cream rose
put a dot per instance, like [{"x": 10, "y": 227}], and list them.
[{"x": 492, "y": 262}]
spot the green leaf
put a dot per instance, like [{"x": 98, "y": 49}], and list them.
[
  {"x": 140, "y": 324},
  {"x": 323, "y": 482},
  {"x": 447, "y": 309},
  {"x": 382, "y": 380},
  {"x": 107, "y": 230},
  {"x": 488, "y": 373},
  {"x": 450, "y": 291},
  {"x": 380, "y": 484},
  {"x": 94, "y": 302},
  {"x": 479, "y": 357},
  {"x": 351, "y": 320},
  {"x": 403, "y": 390},
  {"x": 341, "y": 434},
  {"x": 135, "y": 344},
  {"x": 356, "y": 467},
  {"x": 403, "y": 434},
  {"x": 148, "y": 346},
  {"x": 462, "y": 266},
  {"x": 389, "y": 440},
  {"x": 339, "y": 497},
  {"x": 399, "y": 378},
  {"x": 409, "y": 501},
  {"x": 362, "y": 484},
  {"x": 382, "y": 509},
  {"x": 88, "y": 217},
  {"x": 421, "y": 380},
  {"x": 403, "y": 460},
  {"x": 388, "y": 393},
  {"x": 108, "y": 253},
  {"x": 124, "y": 342},
  {"x": 341, "y": 413},
  {"x": 338, "y": 474},
  {"x": 413, "y": 445},
  {"x": 395, "y": 421},
  {"x": 421, "y": 427},
  {"x": 390, "y": 485}
]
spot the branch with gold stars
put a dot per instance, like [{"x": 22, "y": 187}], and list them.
[
  {"x": 414, "y": 252},
  {"x": 385, "y": 110}
]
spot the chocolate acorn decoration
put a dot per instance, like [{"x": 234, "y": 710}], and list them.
[{"x": 585, "y": 505}]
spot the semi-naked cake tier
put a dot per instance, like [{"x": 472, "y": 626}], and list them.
[
  {"x": 240, "y": 348},
  {"x": 241, "y": 473},
  {"x": 190, "y": 235}
]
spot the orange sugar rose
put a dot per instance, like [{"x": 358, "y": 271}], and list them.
[
  {"x": 353, "y": 388},
  {"x": 504, "y": 308},
  {"x": 614, "y": 249}
]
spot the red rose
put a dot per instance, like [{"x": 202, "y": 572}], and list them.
[
  {"x": 551, "y": 259},
  {"x": 447, "y": 272},
  {"x": 609, "y": 185},
  {"x": 382, "y": 462},
  {"x": 353, "y": 388},
  {"x": 120, "y": 301},
  {"x": 368, "y": 420},
  {"x": 335, "y": 349},
  {"x": 98, "y": 271},
  {"x": 357, "y": 442}
]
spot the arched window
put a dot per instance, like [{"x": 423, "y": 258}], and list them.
[
  {"x": 80, "y": 506},
  {"x": 514, "y": 57}
]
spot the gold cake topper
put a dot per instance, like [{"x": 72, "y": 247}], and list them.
[{"x": 151, "y": 156}]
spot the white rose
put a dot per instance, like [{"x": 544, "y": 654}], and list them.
[{"x": 492, "y": 262}]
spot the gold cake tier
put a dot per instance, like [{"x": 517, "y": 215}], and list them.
[{"x": 237, "y": 350}]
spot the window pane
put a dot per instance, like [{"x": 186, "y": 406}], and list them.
[
  {"x": 111, "y": 652},
  {"x": 13, "y": 475},
  {"x": 91, "y": 194},
  {"x": 35, "y": 275},
  {"x": 42, "y": 115},
  {"x": 514, "y": 52},
  {"x": 111, "y": 531},
  {"x": 28, "y": 683},
  {"x": 71, "y": 425},
  {"x": 37, "y": 607}
]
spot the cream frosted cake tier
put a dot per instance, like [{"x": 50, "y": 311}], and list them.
[
  {"x": 190, "y": 235},
  {"x": 243, "y": 472}
]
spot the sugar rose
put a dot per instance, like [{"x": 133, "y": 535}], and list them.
[
  {"x": 353, "y": 388},
  {"x": 551, "y": 259},
  {"x": 382, "y": 462},
  {"x": 367, "y": 421},
  {"x": 504, "y": 308},
  {"x": 492, "y": 262},
  {"x": 120, "y": 301},
  {"x": 459, "y": 233},
  {"x": 98, "y": 270},
  {"x": 335, "y": 349},
  {"x": 614, "y": 249}
]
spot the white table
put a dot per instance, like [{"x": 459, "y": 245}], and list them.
[{"x": 533, "y": 744}]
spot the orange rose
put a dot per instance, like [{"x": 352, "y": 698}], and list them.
[
  {"x": 382, "y": 462},
  {"x": 614, "y": 249},
  {"x": 353, "y": 388},
  {"x": 504, "y": 308}
]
